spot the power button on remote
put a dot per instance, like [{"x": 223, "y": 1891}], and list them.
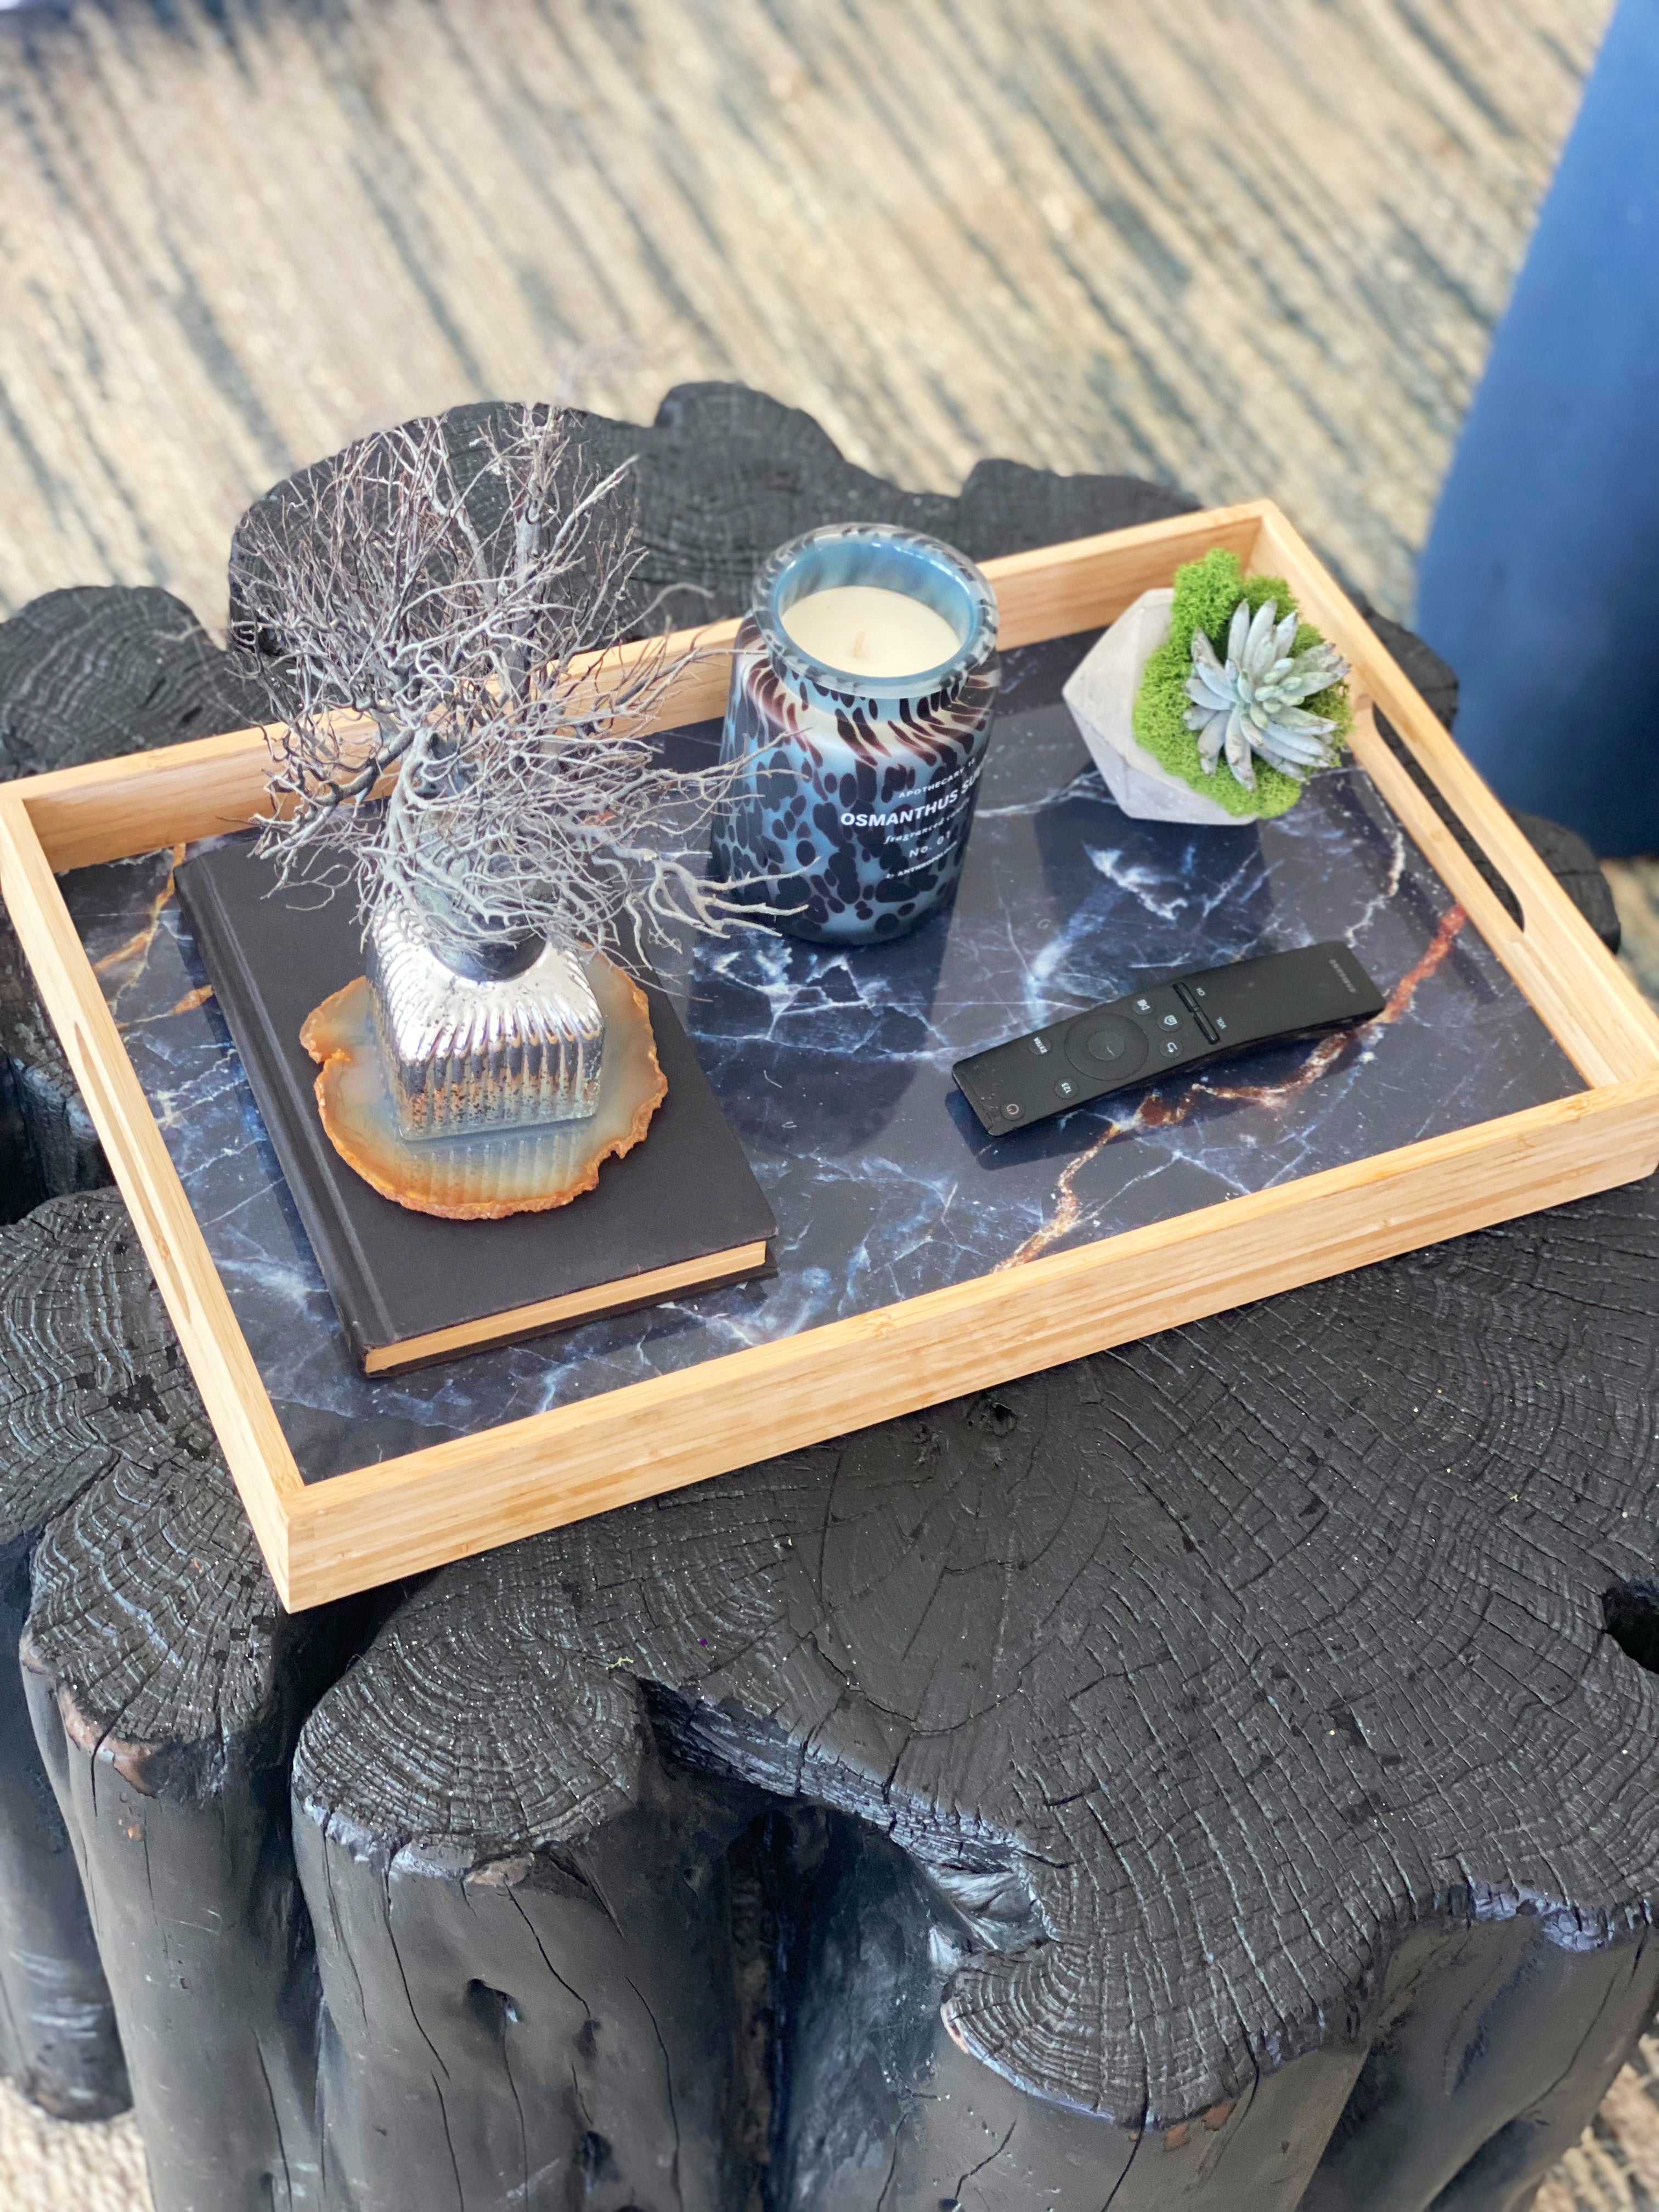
[{"x": 1106, "y": 1047}]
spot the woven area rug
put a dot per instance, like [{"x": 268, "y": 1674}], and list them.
[
  {"x": 1238, "y": 244},
  {"x": 46, "y": 2165}
]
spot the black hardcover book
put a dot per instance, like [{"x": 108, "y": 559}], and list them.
[{"x": 682, "y": 1212}]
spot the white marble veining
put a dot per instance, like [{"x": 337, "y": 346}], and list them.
[{"x": 834, "y": 1068}]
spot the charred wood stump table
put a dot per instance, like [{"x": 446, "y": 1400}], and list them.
[
  {"x": 1217, "y": 1773},
  {"x": 85, "y": 674}
]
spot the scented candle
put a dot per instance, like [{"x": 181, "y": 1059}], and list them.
[{"x": 863, "y": 682}]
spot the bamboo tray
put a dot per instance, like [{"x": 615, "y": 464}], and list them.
[{"x": 1540, "y": 1084}]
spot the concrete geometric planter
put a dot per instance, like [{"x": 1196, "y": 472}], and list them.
[{"x": 1101, "y": 694}]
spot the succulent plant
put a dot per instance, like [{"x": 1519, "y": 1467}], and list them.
[{"x": 1250, "y": 703}]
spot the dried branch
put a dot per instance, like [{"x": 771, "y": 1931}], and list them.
[{"x": 522, "y": 805}]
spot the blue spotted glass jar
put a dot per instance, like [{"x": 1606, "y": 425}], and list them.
[{"x": 863, "y": 682}]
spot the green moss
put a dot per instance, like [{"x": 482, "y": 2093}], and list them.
[{"x": 1205, "y": 593}]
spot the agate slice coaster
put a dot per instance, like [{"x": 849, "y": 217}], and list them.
[{"x": 482, "y": 1177}]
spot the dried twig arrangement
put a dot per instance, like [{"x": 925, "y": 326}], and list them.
[{"x": 522, "y": 805}]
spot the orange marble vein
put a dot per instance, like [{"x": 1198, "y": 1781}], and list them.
[
  {"x": 1156, "y": 1113},
  {"x": 135, "y": 950}
]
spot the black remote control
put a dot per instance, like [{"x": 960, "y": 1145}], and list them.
[{"x": 1164, "y": 1031}]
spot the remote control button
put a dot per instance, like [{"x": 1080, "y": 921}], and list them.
[
  {"x": 1040, "y": 1046},
  {"x": 1172, "y": 1021},
  {"x": 1106, "y": 1047},
  {"x": 1066, "y": 1088},
  {"x": 1013, "y": 1111},
  {"x": 1169, "y": 1047},
  {"x": 1190, "y": 994}
]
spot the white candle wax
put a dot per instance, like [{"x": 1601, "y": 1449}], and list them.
[{"x": 867, "y": 631}]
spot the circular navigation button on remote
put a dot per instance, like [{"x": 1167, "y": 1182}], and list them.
[{"x": 1105, "y": 1047}]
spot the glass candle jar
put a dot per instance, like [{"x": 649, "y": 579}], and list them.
[{"x": 863, "y": 682}]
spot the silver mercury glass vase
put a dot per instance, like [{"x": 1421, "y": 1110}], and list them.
[{"x": 477, "y": 1044}]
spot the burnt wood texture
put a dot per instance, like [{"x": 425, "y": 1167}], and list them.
[
  {"x": 724, "y": 474},
  {"x": 166, "y": 1686},
  {"x": 85, "y": 675},
  {"x": 1210, "y": 1772},
  {"x": 1212, "y": 1775},
  {"x": 62, "y": 1415}
]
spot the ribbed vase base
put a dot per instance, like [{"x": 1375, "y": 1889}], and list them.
[
  {"x": 468, "y": 1054},
  {"x": 486, "y": 1177}
]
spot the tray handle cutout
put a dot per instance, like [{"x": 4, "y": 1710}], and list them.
[{"x": 1496, "y": 881}]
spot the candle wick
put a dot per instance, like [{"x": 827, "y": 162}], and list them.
[{"x": 859, "y": 646}]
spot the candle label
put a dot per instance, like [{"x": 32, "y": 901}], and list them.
[{"x": 850, "y": 820}]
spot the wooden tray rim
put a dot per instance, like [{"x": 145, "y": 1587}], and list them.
[{"x": 445, "y": 1501}]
